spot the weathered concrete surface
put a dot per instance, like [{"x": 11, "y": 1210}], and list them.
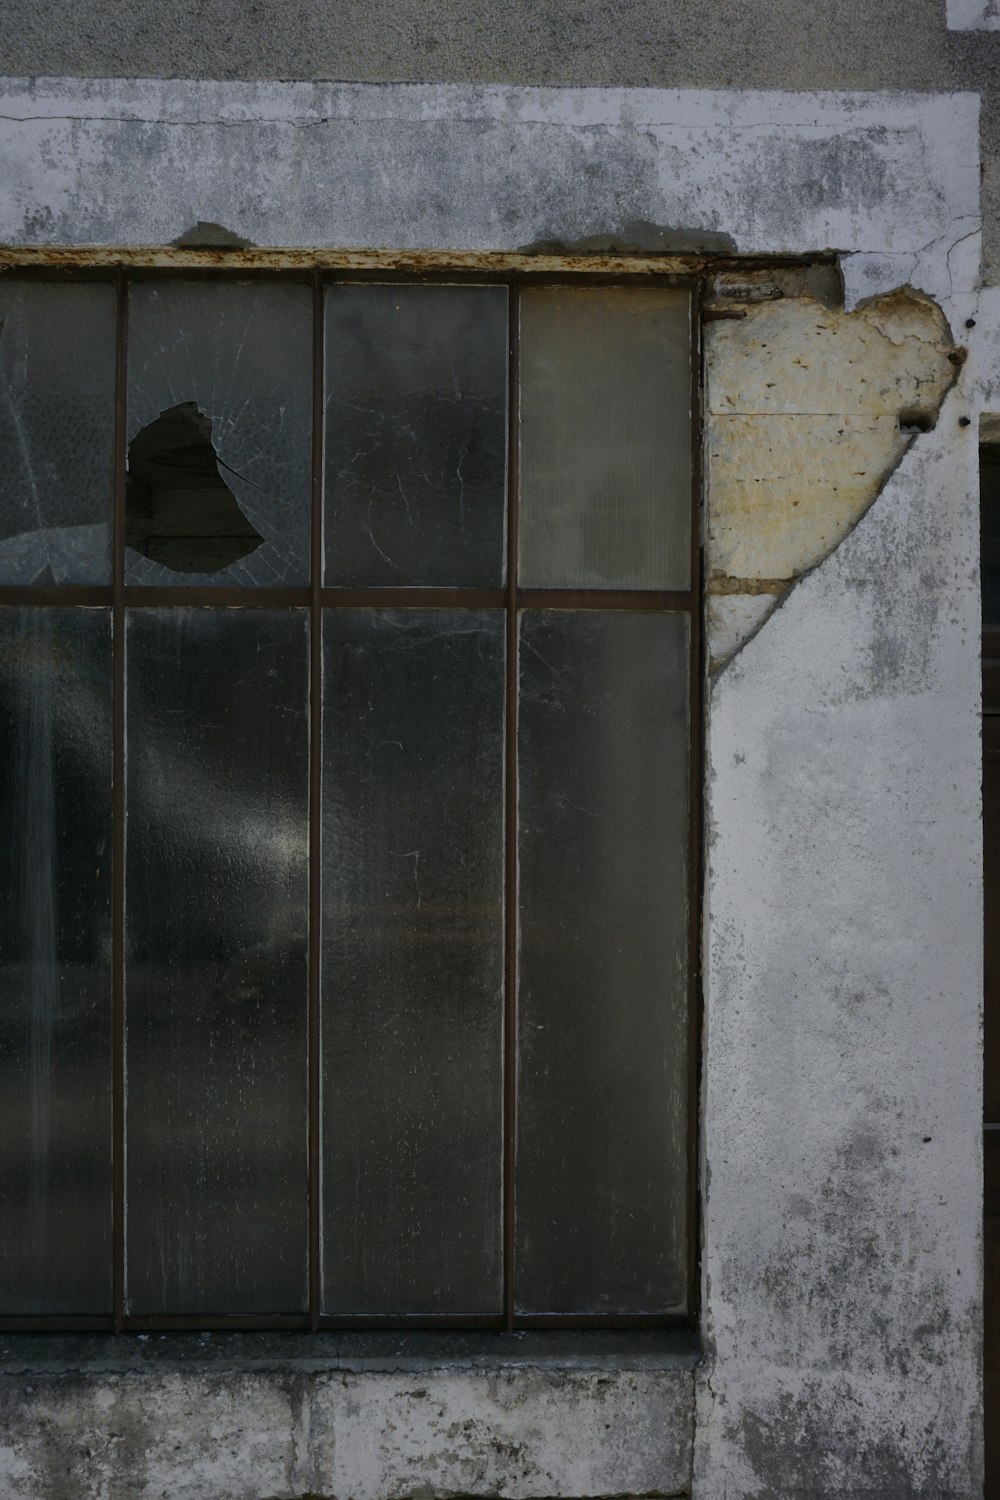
[
  {"x": 973, "y": 15},
  {"x": 857, "y": 44},
  {"x": 232, "y": 1428},
  {"x": 892, "y": 179},
  {"x": 808, "y": 410},
  {"x": 842, "y": 1011},
  {"x": 840, "y": 1133}
]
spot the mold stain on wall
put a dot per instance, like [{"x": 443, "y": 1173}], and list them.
[{"x": 808, "y": 411}]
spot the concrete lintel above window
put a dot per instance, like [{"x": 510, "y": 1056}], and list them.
[{"x": 889, "y": 180}]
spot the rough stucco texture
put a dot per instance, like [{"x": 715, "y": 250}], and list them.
[
  {"x": 892, "y": 180},
  {"x": 843, "y": 983},
  {"x": 861, "y": 44},
  {"x": 247, "y": 1436},
  {"x": 808, "y": 410}
]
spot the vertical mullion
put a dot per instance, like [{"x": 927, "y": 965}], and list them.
[
  {"x": 118, "y": 811},
  {"x": 510, "y": 819},
  {"x": 696, "y": 741},
  {"x": 315, "y": 787}
]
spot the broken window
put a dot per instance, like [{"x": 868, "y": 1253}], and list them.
[
  {"x": 179, "y": 510},
  {"x": 348, "y": 900}
]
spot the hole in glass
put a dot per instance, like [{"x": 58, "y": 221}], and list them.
[{"x": 179, "y": 510}]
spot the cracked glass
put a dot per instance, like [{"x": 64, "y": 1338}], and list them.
[
  {"x": 219, "y": 433},
  {"x": 423, "y": 1168},
  {"x": 57, "y": 416},
  {"x": 415, "y": 435}
]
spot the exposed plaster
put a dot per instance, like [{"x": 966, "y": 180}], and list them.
[{"x": 809, "y": 410}]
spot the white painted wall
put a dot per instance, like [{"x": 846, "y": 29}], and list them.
[{"x": 841, "y": 1279}]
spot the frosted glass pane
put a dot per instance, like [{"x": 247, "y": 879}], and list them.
[
  {"x": 216, "y": 989},
  {"x": 605, "y": 438},
  {"x": 55, "y": 978},
  {"x": 416, "y": 434},
  {"x": 57, "y": 415},
  {"x": 602, "y": 978},
  {"x": 219, "y": 432},
  {"x": 413, "y": 960}
]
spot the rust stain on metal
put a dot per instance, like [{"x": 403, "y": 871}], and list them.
[{"x": 410, "y": 262}]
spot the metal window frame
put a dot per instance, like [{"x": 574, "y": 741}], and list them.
[{"x": 513, "y": 272}]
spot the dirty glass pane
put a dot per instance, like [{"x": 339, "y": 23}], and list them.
[
  {"x": 416, "y": 442},
  {"x": 602, "y": 978},
  {"x": 216, "y": 993},
  {"x": 605, "y": 438},
  {"x": 55, "y": 980},
  {"x": 57, "y": 414},
  {"x": 412, "y": 960},
  {"x": 219, "y": 433}
]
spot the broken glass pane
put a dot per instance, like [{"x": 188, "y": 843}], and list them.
[
  {"x": 57, "y": 414},
  {"x": 416, "y": 446},
  {"x": 179, "y": 509},
  {"x": 602, "y": 968},
  {"x": 605, "y": 438},
  {"x": 412, "y": 960},
  {"x": 55, "y": 974},
  {"x": 216, "y": 906},
  {"x": 219, "y": 432}
]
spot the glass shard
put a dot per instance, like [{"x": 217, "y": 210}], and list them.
[
  {"x": 57, "y": 413},
  {"x": 55, "y": 975},
  {"x": 179, "y": 509},
  {"x": 215, "y": 985},
  {"x": 412, "y": 960},
  {"x": 602, "y": 967},
  {"x": 237, "y": 357},
  {"x": 605, "y": 438},
  {"x": 416, "y": 446}
]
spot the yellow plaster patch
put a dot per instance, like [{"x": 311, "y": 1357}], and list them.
[{"x": 803, "y": 427}]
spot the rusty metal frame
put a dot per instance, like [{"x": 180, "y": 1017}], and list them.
[{"x": 322, "y": 270}]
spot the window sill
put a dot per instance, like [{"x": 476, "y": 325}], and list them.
[{"x": 361, "y": 1353}]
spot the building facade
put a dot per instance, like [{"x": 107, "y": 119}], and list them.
[{"x": 835, "y": 213}]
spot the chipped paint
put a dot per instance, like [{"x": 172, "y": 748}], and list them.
[{"x": 809, "y": 409}]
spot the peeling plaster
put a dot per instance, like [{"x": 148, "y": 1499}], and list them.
[{"x": 809, "y": 409}]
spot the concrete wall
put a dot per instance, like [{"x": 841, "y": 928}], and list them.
[
  {"x": 265, "y": 1417},
  {"x": 842, "y": 1099},
  {"x": 741, "y": 44},
  {"x": 841, "y": 1187}
]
